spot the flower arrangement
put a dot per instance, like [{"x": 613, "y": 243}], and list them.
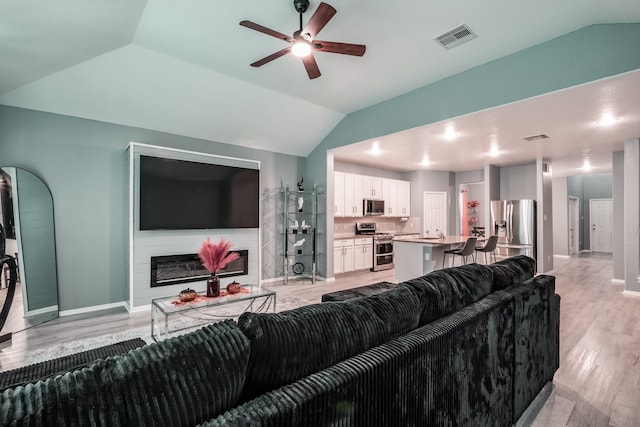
[
  {"x": 473, "y": 204},
  {"x": 216, "y": 256}
]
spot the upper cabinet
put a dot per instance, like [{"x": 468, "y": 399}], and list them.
[
  {"x": 347, "y": 194},
  {"x": 404, "y": 198},
  {"x": 396, "y": 195},
  {"x": 371, "y": 187},
  {"x": 351, "y": 189}
]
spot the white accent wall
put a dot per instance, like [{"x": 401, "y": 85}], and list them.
[{"x": 145, "y": 244}]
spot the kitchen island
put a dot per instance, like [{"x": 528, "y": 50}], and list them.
[{"x": 417, "y": 256}]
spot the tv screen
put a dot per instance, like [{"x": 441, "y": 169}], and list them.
[{"x": 180, "y": 194}]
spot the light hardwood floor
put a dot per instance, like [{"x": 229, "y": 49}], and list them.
[{"x": 598, "y": 383}]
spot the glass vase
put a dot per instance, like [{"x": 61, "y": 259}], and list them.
[{"x": 213, "y": 286}]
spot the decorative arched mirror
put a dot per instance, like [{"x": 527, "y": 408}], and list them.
[{"x": 28, "y": 273}]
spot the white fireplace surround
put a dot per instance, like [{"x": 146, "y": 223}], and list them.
[{"x": 145, "y": 244}]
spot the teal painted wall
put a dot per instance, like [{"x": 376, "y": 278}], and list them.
[
  {"x": 579, "y": 57},
  {"x": 84, "y": 164}
]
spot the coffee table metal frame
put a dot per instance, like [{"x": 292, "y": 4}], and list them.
[{"x": 257, "y": 300}]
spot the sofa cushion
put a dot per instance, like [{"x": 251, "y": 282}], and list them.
[
  {"x": 510, "y": 271},
  {"x": 289, "y": 345},
  {"x": 187, "y": 380},
  {"x": 447, "y": 290}
]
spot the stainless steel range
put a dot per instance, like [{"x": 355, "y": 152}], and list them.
[{"x": 382, "y": 245}]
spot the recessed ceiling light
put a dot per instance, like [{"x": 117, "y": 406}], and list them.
[
  {"x": 607, "y": 119},
  {"x": 450, "y": 133},
  {"x": 494, "y": 152},
  {"x": 375, "y": 149},
  {"x": 425, "y": 161},
  {"x": 586, "y": 165}
]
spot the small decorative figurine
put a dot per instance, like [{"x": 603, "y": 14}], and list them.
[
  {"x": 300, "y": 203},
  {"x": 234, "y": 287},
  {"x": 300, "y": 187}
]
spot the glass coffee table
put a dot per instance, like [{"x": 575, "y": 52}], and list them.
[{"x": 170, "y": 316}]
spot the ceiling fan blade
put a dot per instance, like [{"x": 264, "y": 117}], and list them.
[
  {"x": 271, "y": 57},
  {"x": 311, "y": 65},
  {"x": 335, "y": 47},
  {"x": 318, "y": 20},
  {"x": 265, "y": 30}
]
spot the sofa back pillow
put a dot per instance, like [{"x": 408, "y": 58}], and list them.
[
  {"x": 445, "y": 291},
  {"x": 510, "y": 271},
  {"x": 184, "y": 380},
  {"x": 292, "y": 344}
]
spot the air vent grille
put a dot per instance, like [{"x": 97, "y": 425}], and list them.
[
  {"x": 455, "y": 37},
  {"x": 536, "y": 137}
]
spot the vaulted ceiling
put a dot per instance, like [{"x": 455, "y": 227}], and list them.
[{"x": 183, "y": 67}]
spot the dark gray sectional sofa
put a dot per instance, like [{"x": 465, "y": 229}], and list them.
[{"x": 463, "y": 346}]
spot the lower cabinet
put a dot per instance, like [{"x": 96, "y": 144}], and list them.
[
  {"x": 343, "y": 256},
  {"x": 363, "y": 254},
  {"x": 352, "y": 254}
]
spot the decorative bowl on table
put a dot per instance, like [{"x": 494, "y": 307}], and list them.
[
  {"x": 234, "y": 287},
  {"x": 187, "y": 295}
]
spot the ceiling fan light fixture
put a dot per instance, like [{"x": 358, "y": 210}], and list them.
[{"x": 301, "y": 48}]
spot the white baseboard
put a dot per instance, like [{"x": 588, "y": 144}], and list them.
[
  {"x": 137, "y": 309},
  {"x": 618, "y": 281},
  {"x": 44, "y": 310},
  {"x": 82, "y": 310},
  {"x": 634, "y": 294},
  {"x": 561, "y": 256}
]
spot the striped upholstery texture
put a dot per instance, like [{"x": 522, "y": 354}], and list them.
[
  {"x": 439, "y": 350},
  {"x": 289, "y": 345},
  {"x": 181, "y": 381},
  {"x": 445, "y": 291},
  {"x": 455, "y": 371},
  {"x": 512, "y": 270}
]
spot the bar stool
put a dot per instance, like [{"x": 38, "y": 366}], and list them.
[
  {"x": 489, "y": 248},
  {"x": 468, "y": 249}
]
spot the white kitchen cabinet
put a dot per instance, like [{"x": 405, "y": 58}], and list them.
[
  {"x": 353, "y": 194},
  {"x": 338, "y": 191},
  {"x": 350, "y": 190},
  {"x": 343, "y": 260},
  {"x": 403, "y": 202},
  {"x": 372, "y": 187},
  {"x": 390, "y": 196},
  {"x": 397, "y": 197},
  {"x": 362, "y": 254}
]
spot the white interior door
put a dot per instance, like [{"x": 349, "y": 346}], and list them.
[
  {"x": 574, "y": 224},
  {"x": 601, "y": 215},
  {"x": 434, "y": 215}
]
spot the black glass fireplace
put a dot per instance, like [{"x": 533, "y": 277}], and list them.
[{"x": 174, "y": 269}]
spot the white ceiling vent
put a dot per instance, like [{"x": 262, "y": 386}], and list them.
[
  {"x": 536, "y": 137},
  {"x": 454, "y": 37}
]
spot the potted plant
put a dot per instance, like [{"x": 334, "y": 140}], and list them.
[{"x": 215, "y": 257}]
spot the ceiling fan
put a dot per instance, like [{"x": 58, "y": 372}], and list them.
[{"x": 304, "y": 40}]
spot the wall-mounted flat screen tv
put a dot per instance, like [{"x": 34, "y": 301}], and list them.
[{"x": 185, "y": 195}]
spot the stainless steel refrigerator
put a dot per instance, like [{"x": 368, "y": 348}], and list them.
[{"x": 514, "y": 221}]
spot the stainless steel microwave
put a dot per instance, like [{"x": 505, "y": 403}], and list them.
[{"x": 373, "y": 207}]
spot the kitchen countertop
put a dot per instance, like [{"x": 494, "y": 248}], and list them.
[{"x": 448, "y": 240}]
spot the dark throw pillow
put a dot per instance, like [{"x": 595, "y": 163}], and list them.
[
  {"x": 445, "y": 291},
  {"x": 510, "y": 271},
  {"x": 292, "y": 344}
]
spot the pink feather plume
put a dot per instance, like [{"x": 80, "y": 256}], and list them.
[{"x": 216, "y": 256}]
